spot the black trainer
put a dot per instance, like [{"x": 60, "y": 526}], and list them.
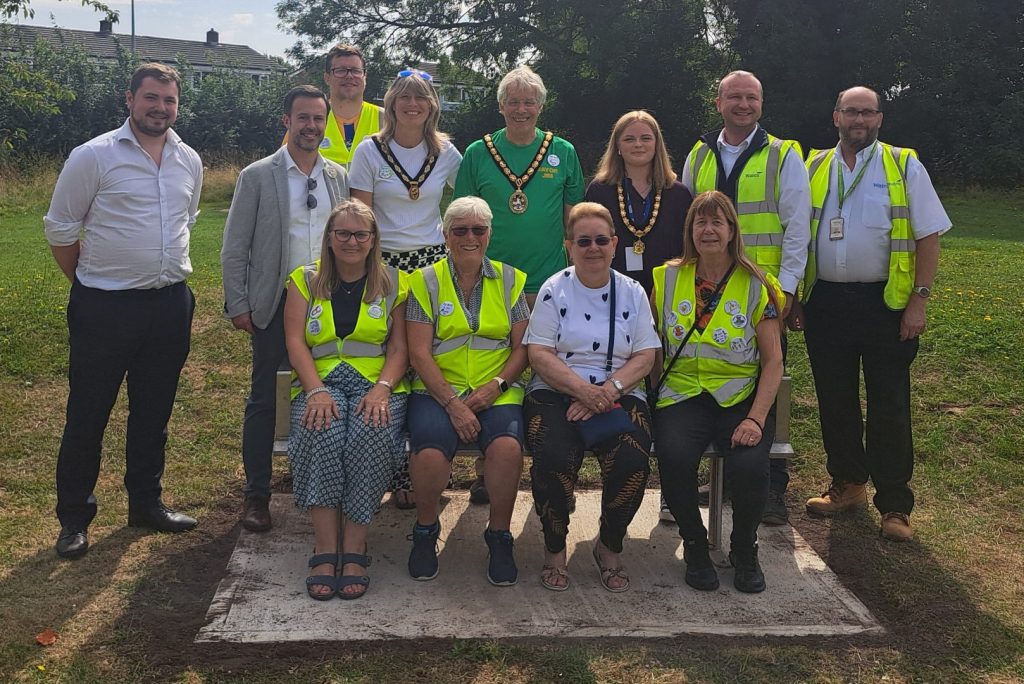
[
  {"x": 501, "y": 564},
  {"x": 423, "y": 557},
  {"x": 700, "y": 571},
  {"x": 748, "y": 578}
]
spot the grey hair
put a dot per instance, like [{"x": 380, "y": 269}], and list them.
[
  {"x": 466, "y": 207},
  {"x": 522, "y": 78}
]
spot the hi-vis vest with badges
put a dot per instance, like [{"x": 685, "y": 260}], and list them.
[
  {"x": 470, "y": 359},
  {"x": 333, "y": 145},
  {"x": 757, "y": 197},
  {"x": 365, "y": 347},
  {"x": 723, "y": 359},
  {"x": 902, "y": 246}
]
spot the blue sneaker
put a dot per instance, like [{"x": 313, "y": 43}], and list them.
[
  {"x": 423, "y": 557},
  {"x": 501, "y": 565}
]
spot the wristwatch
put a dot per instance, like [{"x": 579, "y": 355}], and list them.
[
  {"x": 617, "y": 384},
  {"x": 502, "y": 385},
  {"x": 923, "y": 291}
]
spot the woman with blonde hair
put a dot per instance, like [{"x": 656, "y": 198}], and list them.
[
  {"x": 344, "y": 324},
  {"x": 637, "y": 185}
]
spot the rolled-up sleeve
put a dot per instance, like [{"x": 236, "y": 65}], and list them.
[{"x": 72, "y": 198}]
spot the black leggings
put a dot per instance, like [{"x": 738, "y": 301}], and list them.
[{"x": 557, "y": 451}]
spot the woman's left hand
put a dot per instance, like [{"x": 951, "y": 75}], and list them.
[
  {"x": 747, "y": 434},
  {"x": 373, "y": 407}
]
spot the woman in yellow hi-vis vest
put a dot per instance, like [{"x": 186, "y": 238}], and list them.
[
  {"x": 344, "y": 324},
  {"x": 466, "y": 317},
  {"x": 718, "y": 316}
]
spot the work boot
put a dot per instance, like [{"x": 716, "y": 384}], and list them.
[
  {"x": 840, "y": 496},
  {"x": 423, "y": 557},
  {"x": 256, "y": 514},
  {"x": 700, "y": 571},
  {"x": 478, "y": 493},
  {"x": 748, "y": 578},
  {"x": 896, "y": 527},
  {"x": 775, "y": 512}
]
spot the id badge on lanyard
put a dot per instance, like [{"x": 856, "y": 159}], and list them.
[{"x": 836, "y": 225}]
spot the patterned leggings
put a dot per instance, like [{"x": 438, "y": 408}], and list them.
[{"x": 558, "y": 454}]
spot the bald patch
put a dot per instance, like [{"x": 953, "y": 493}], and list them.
[
  {"x": 859, "y": 90},
  {"x": 739, "y": 74}
]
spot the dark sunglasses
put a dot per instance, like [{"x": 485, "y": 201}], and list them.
[
  {"x": 345, "y": 235},
  {"x": 310, "y": 199},
  {"x": 462, "y": 231},
  {"x": 601, "y": 240}
]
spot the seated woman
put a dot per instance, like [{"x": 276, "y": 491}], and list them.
[
  {"x": 344, "y": 323},
  {"x": 581, "y": 372},
  {"x": 723, "y": 310},
  {"x": 465, "y": 320}
]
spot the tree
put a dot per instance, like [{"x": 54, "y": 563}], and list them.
[{"x": 12, "y": 8}]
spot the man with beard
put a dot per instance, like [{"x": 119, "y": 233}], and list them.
[
  {"x": 875, "y": 227},
  {"x": 277, "y": 217},
  {"x": 118, "y": 226}
]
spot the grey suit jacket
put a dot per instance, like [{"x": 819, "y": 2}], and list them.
[{"x": 254, "y": 257}]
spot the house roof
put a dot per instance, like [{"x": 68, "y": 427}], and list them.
[{"x": 103, "y": 45}]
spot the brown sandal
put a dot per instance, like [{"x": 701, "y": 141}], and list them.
[
  {"x": 549, "y": 573},
  {"x": 608, "y": 573}
]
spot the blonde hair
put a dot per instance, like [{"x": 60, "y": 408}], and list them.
[
  {"x": 466, "y": 207},
  {"x": 522, "y": 78},
  {"x": 585, "y": 210},
  {"x": 327, "y": 279},
  {"x": 420, "y": 88},
  {"x": 710, "y": 204},
  {"x": 612, "y": 168}
]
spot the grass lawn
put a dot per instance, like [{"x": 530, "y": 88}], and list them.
[{"x": 952, "y": 601}]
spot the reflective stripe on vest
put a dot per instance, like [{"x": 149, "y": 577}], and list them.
[{"x": 508, "y": 281}]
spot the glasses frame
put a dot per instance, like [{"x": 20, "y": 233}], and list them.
[
  {"x": 343, "y": 235},
  {"x": 586, "y": 241},
  {"x": 463, "y": 231},
  {"x": 852, "y": 113},
  {"x": 346, "y": 71}
]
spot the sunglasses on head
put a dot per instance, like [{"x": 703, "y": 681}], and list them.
[
  {"x": 462, "y": 231},
  {"x": 601, "y": 240},
  {"x": 406, "y": 73}
]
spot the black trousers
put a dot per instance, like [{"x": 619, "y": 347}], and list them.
[
  {"x": 557, "y": 451},
  {"x": 848, "y": 325},
  {"x": 268, "y": 356},
  {"x": 684, "y": 431},
  {"x": 144, "y": 334}
]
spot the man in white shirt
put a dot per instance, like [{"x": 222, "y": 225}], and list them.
[
  {"x": 875, "y": 232},
  {"x": 275, "y": 224},
  {"x": 766, "y": 179},
  {"x": 118, "y": 226}
]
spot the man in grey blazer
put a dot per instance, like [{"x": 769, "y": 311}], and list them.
[{"x": 275, "y": 224}]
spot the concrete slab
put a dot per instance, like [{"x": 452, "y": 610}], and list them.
[{"x": 262, "y": 597}]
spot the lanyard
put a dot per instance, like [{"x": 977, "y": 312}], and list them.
[
  {"x": 841, "y": 183},
  {"x": 648, "y": 205}
]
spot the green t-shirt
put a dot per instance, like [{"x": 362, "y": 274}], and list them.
[{"x": 533, "y": 241}]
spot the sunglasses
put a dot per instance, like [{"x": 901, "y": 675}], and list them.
[
  {"x": 601, "y": 240},
  {"x": 462, "y": 231},
  {"x": 406, "y": 73},
  {"x": 346, "y": 235},
  {"x": 310, "y": 199}
]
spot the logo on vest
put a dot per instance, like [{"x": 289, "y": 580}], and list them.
[
  {"x": 732, "y": 307},
  {"x": 670, "y": 319},
  {"x": 739, "y": 321},
  {"x": 316, "y": 311},
  {"x": 446, "y": 308},
  {"x": 678, "y": 332},
  {"x": 720, "y": 335},
  {"x": 314, "y": 327},
  {"x": 385, "y": 173},
  {"x": 375, "y": 311},
  {"x": 553, "y": 160},
  {"x": 685, "y": 307},
  {"x": 325, "y": 144},
  {"x": 738, "y": 344}
]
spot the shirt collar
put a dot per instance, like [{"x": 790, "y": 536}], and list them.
[
  {"x": 487, "y": 268},
  {"x": 861, "y": 156},
  {"x": 742, "y": 146},
  {"x": 125, "y": 132},
  {"x": 318, "y": 166}
]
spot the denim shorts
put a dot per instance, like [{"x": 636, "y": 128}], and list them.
[{"x": 431, "y": 428}]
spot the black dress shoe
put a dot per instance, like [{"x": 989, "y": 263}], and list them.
[
  {"x": 160, "y": 518},
  {"x": 256, "y": 516},
  {"x": 72, "y": 542}
]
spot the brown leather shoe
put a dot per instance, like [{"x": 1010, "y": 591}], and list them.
[
  {"x": 256, "y": 516},
  {"x": 896, "y": 527},
  {"x": 839, "y": 497}
]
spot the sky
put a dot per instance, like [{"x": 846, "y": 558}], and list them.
[{"x": 241, "y": 22}]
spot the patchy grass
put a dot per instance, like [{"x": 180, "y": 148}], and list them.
[{"x": 952, "y": 601}]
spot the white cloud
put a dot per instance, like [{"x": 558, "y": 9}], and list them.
[{"x": 245, "y": 19}]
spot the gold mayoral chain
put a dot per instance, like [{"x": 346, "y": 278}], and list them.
[
  {"x": 517, "y": 201},
  {"x": 638, "y": 233},
  {"x": 412, "y": 185}
]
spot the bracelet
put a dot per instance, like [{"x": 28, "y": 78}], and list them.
[
  {"x": 449, "y": 400},
  {"x": 315, "y": 390},
  {"x": 756, "y": 422},
  {"x": 386, "y": 384}
]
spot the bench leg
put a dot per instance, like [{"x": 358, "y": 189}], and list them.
[{"x": 717, "y": 467}]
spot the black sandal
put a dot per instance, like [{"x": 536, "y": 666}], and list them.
[
  {"x": 350, "y": 580},
  {"x": 329, "y": 581}
]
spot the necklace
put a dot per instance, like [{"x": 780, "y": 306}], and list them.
[
  {"x": 517, "y": 201},
  {"x": 625, "y": 211},
  {"x": 411, "y": 184},
  {"x": 357, "y": 285}
]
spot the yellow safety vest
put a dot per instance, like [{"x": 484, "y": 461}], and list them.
[
  {"x": 333, "y": 145},
  {"x": 364, "y": 349},
  {"x": 469, "y": 359},
  {"x": 722, "y": 360},
  {"x": 902, "y": 246},
  {"x": 757, "y": 197}
]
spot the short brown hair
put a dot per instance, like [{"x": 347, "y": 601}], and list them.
[
  {"x": 343, "y": 50},
  {"x": 309, "y": 91},
  {"x": 585, "y": 210},
  {"x": 155, "y": 70}
]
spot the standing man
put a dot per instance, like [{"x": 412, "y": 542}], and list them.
[
  {"x": 275, "y": 224},
  {"x": 530, "y": 179},
  {"x": 765, "y": 178},
  {"x": 350, "y": 119},
  {"x": 875, "y": 235},
  {"x": 119, "y": 225}
]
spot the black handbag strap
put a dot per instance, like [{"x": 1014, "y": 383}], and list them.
[{"x": 611, "y": 323}]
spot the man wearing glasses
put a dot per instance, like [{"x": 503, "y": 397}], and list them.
[
  {"x": 351, "y": 119},
  {"x": 275, "y": 224},
  {"x": 875, "y": 227}
]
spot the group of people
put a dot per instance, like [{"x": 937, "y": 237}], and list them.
[{"x": 647, "y": 308}]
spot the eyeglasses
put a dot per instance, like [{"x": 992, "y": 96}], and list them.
[
  {"x": 339, "y": 72},
  {"x": 310, "y": 198},
  {"x": 406, "y": 73},
  {"x": 852, "y": 113},
  {"x": 346, "y": 235},
  {"x": 462, "y": 231},
  {"x": 601, "y": 240}
]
